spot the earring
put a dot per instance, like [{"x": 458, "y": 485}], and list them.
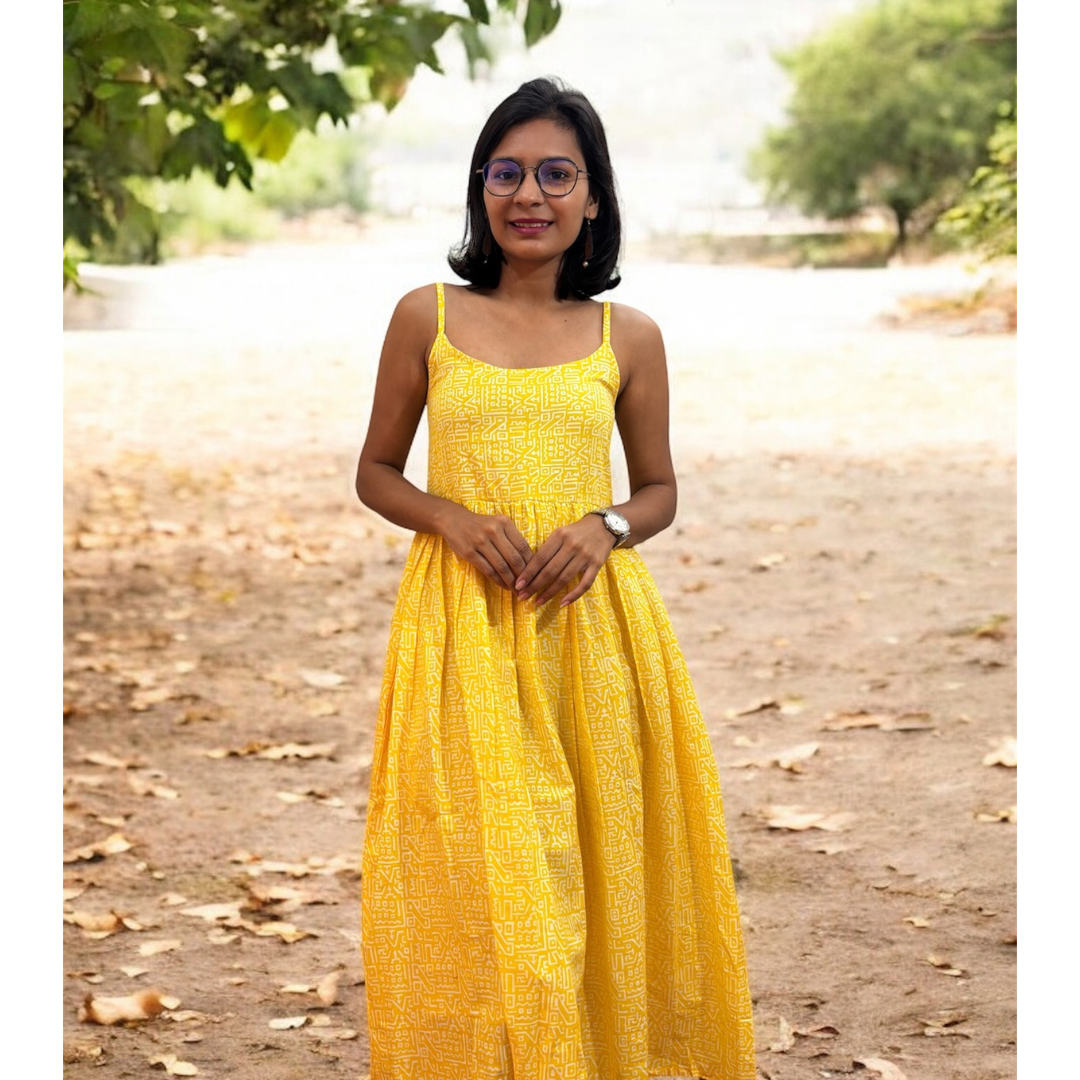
[
  {"x": 588, "y": 242},
  {"x": 485, "y": 246}
]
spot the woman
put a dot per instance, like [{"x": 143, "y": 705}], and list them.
[{"x": 547, "y": 892}]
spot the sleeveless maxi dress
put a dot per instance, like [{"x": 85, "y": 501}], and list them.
[{"x": 546, "y": 887}]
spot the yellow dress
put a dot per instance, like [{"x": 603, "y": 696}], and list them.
[{"x": 546, "y": 890}]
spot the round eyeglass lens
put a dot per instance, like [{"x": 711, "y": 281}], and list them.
[
  {"x": 502, "y": 177},
  {"x": 557, "y": 177}
]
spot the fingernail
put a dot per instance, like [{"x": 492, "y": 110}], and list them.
[{"x": 520, "y": 583}]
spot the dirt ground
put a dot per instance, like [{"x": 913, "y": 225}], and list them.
[{"x": 842, "y": 579}]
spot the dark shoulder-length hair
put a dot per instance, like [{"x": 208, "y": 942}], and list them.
[{"x": 546, "y": 99}]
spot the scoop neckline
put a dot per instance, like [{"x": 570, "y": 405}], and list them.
[{"x": 537, "y": 367}]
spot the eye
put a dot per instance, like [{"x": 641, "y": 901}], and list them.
[
  {"x": 558, "y": 171},
  {"x": 503, "y": 171}
]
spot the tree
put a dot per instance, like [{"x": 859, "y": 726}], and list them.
[
  {"x": 984, "y": 217},
  {"x": 892, "y": 108},
  {"x": 160, "y": 88}
]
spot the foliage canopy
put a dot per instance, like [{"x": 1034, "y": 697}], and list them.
[
  {"x": 161, "y": 88},
  {"x": 892, "y": 108}
]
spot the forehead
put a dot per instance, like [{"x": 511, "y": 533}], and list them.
[{"x": 538, "y": 139}]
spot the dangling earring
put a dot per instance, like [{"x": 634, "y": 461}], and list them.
[
  {"x": 485, "y": 246},
  {"x": 588, "y": 242}
]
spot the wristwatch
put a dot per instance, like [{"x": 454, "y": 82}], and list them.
[{"x": 615, "y": 524}]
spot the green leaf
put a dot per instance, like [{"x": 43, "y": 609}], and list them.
[
  {"x": 174, "y": 44},
  {"x": 476, "y": 50},
  {"x": 541, "y": 17},
  {"x": 478, "y": 10},
  {"x": 277, "y": 136},
  {"x": 74, "y": 87}
]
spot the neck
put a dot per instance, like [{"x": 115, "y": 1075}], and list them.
[{"x": 529, "y": 283}]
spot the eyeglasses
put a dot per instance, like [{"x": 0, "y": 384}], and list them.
[{"x": 556, "y": 176}]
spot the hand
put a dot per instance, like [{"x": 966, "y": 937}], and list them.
[
  {"x": 491, "y": 542},
  {"x": 572, "y": 551}
]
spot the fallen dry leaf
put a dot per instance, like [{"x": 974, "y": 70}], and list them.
[
  {"x": 111, "y": 761},
  {"x": 333, "y": 1033},
  {"x": 830, "y": 847},
  {"x": 767, "y": 562},
  {"x": 1008, "y": 814},
  {"x": 255, "y": 865},
  {"x": 220, "y": 936},
  {"x": 1004, "y": 753},
  {"x": 322, "y": 680},
  {"x": 76, "y": 1052},
  {"x": 133, "y": 972},
  {"x": 297, "y": 750},
  {"x": 142, "y": 700},
  {"x": 323, "y": 798},
  {"x": 797, "y": 820},
  {"x": 822, "y": 1031},
  {"x": 863, "y": 718},
  {"x": 183, "y": 1016},
  {"x": 886, "y": 1069},
  {"x": 785, "y": 1038},
  {"x": 945, "y": 966},
  {"x": 214, "y": 912},
  {"x": 792, "y": 759},
  {"x": 113, "y": 844},
  {"x": 327, "y": 990},
  {"x": 760, "y": 705},
  {"x": 173, "y": 1066},
  {"x": 153, "y": 948},
  {"x": 286, "y": 931},
  {"x": 142, "y": 785},
  {"x": 917, "y": 921},
  {"x": 96, "y": 924},
  {"x": 945, "y": 1024},
  {"x": 118, "y": 1010},
  {"x": 284, "y": 1023},
  {"x": 275, "y": 753},
  {"x": 990, "y": 628}
]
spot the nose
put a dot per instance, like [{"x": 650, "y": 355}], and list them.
[{"x": 530, "y": 191}]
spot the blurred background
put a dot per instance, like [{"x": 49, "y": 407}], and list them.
[{"x": 783, "y": 132}]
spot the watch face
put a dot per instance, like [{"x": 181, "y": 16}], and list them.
[{"x": 616, "y": 521}]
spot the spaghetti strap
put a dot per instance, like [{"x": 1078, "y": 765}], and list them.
[
  {"x": 440, "y": 294},
  {"x": 607, "y": 323}
]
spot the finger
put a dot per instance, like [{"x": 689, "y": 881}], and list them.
[
  {"x": 494, "y": 557},
  {"x": 536, "y": 564},
  {"x": 557, "y": 574},
  {"x": 511, "y": 555},
  {"x": 484, "y": 567},
  {"x": 581, "y": 588},
  {"x": 521, "y": 545}
]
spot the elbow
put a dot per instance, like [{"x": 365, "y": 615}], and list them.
[{"x": 363, "y": 485}]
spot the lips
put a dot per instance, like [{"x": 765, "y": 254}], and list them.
[{"x": 529, "y": 225}]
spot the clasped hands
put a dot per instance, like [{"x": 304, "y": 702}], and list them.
[{"x": 494, "y": 545}]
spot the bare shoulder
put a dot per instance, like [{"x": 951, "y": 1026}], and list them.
[
  {"x": 636, "y": 340},
  {"x": 414, "y": 323},
  {"x": 418, "y": 308}
]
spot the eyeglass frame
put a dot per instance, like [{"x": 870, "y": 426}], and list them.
[{"x": 535, "y": 169}]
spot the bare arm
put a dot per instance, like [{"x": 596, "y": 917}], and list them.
[
  {"x": 579, "y": 550},
  {"x": 491, "y": 543}
]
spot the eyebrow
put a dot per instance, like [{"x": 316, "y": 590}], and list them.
[{"x": 549, "y": 157}]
